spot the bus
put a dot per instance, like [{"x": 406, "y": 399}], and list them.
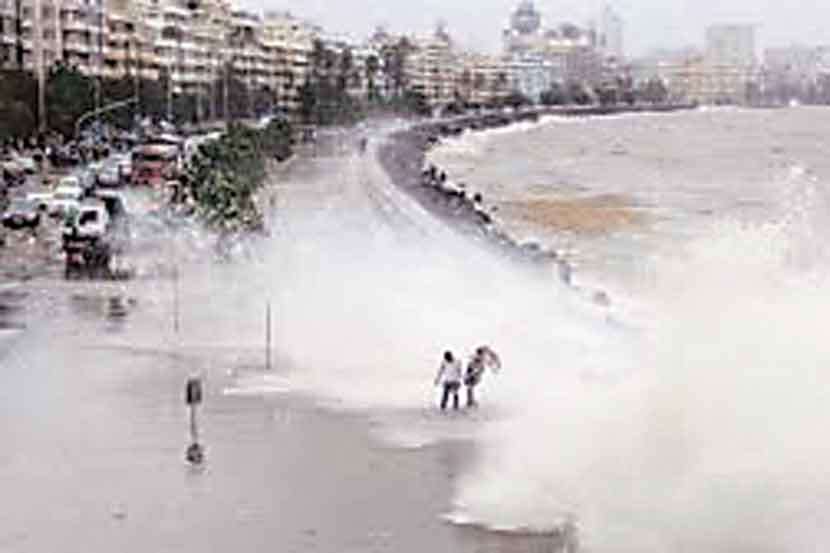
[{"x": 155, "y": 163}]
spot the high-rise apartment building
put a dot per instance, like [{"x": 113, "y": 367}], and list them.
[
  {"x": 611, "y": 35},
  {"x": 432, "y": 70},
  {"x": 194, "y": 43}
]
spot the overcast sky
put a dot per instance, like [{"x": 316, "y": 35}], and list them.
[{"x": 649, "y": 23}]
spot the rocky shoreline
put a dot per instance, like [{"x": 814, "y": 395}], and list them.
[{"x": 404, "y": 158}]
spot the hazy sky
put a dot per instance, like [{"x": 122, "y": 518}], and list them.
[{"x": 649, "y": 23}]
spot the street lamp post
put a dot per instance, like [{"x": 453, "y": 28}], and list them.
[
  {"x": 99, "y": 61},
  {"x": 169, "y": 91},
  {"x": 40, "y": 70},
  {"x": 18, "y": 34}
]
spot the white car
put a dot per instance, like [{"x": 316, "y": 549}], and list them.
[
  {"x": 42, "y": 200},
  {"x": 109, "y": 176},
  {"x": 28, "y": 164},
  {"x": 69, "y": 182},
  {"x": 91, "y": 220},
  {"x": 66, "y": 199}
]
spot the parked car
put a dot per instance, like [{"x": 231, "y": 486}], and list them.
[
  {"x": 42, "y": 200},
  {"x": 13, "y": 173},
  {"x": 21, "y": 214},
  {"x": 89, "y": 221},
  {"x": 28, "y": 164},
  {"x": 109, "y": 177},
  {"x": 70, "y": 182},
  {"x": 87, "y": 241},
  {"x": 66, "y": 156},
  {"x": 66, "y": 199}
]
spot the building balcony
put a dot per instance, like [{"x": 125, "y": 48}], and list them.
[
  {"x": 119, "y": 56},
  {"x": 80, "y": 25},
  {"x": 78, "y": 47}
]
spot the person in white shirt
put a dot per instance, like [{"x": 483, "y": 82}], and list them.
[{"x": 450, "y": 376}]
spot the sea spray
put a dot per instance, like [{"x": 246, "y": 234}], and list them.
[{"x": 714, "y": 443}]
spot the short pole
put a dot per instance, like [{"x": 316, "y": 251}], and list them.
[
  {"x": 268, "y": 336},
  {"x": 195, "y": 453},
  {"x": 176, "y": 299}
]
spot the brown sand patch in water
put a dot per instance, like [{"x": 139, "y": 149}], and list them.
[{"x": 590, "y": 215}]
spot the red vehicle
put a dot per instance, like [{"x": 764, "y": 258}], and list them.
[{"x": 155, "y": 164}]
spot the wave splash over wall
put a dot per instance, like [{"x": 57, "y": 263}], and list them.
[
  {"x": 715, "y": 440},
  {"x": 700, "y": 427}
]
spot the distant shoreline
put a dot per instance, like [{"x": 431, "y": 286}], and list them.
[{"x": 404, "y": 158}]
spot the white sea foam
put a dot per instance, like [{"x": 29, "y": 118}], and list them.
[{"x": 716, "y": 441}]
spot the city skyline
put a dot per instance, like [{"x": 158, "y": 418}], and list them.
[{"x": 648, "y": 25}]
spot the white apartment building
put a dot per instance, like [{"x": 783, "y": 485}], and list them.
[
  {"x": 290, "y": 41},
  {"x": 432, "y": 70},
  {"x": 483, "y": 78},
  {"x": 72, "y": 31},
  {"x": 611, "y": 35},
  {"x": 529, "y": 75},
  {"x": 192, "y": 42}
]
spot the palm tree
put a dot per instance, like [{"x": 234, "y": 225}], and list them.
[
  {"x": 317, "y": 56},
  {"x": 346, "y": 63},
  {"x": 372, "y": 68},
  {"x": 396, "y": 67}
]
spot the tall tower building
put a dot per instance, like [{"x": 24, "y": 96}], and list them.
[
  {"x": 524, "y": 30},
  {"x": 526, "y": 20},
  {"x": 611, "y": 34}
]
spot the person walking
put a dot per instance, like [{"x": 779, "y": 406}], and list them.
[
  {"x": 472, "y": 377},
  {"x": 449, "y": 376}
]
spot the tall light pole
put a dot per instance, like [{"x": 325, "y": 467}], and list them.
[
  {"x": 18, "y": 34},
  {"x": 40, "y": 70},
  {"x": 230, "y": 44},
  {"x": 99, "y": 59},
  {"x": 136, "y": 47},
  {"x": 173, "y": 66},
  {"x": 169, "y": 91}
]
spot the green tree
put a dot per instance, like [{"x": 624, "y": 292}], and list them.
[
  {"x": 69, "y": 95},
  {"x": 18, "y": 90},
  {"x": 225, "y": 175},
  {"x": 554, "y": 96},
  {"x": 395, "y": 57},
  {"x": 16, "y": 120},
  {"x": 372, "y": 69},
  {"x": 577, "y": 94},
  {"x": 346, "y": 69},
  {"x": 654, "y": 91},
  {"x": 607, "y": 95},
  {"x": 516, "y": 100}
]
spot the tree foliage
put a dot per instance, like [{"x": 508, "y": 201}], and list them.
[
  {"x": 324, "y": 97},
  {"x": 654, "y": 90},
  {"x": 18, "y": 91},
  {"x": 225, "y": 175},
  {"x": 554, "y": 96},
  {"x": 69, "y": 94}
]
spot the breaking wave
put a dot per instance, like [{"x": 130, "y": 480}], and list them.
[{"x": 715, "y": 440}]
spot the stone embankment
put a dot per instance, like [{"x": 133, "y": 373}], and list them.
[{"x": 404, "y": 157}]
